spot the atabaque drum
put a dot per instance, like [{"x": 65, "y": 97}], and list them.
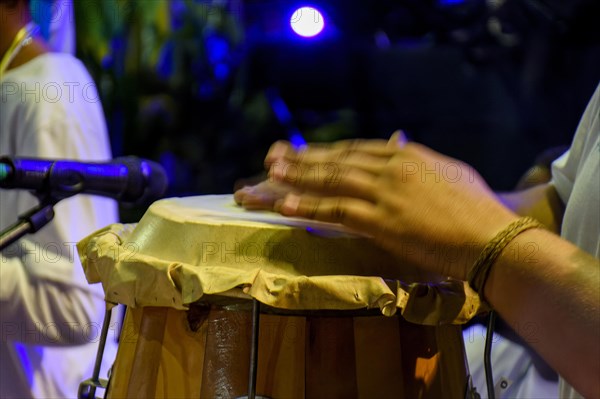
[{"x": 340, "y": 318}]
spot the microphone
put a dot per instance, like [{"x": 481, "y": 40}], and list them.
[{"x": 130, "y": 180}]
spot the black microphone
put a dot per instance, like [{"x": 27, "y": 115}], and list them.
[{"x": 130, "y": 180}]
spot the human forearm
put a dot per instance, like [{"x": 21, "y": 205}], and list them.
[{"x": 547, "y": 290}]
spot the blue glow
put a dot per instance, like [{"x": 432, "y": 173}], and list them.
[
  {"x": 279, "y": 108},
  {"x": 450, "y": 2},
  {"x": 41, "y": 13},
  {"x": 307, "y": 22},
  {"x": 283, "y": 115},
  {"x": 178, "y": 14},
  {"x": 25, "y": 362},
  {"x": 221, "y": 71},
  {"x": 164, "y": 65},
  {"x": 297, "y": 140},
  {"x": 217, "y": 48}
]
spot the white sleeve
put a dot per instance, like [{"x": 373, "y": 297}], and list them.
[
  {"x": 565, "y": 168},
  {"x": 44, "y": 296}
]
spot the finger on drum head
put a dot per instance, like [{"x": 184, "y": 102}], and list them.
[
  {"x": 375, "y": 147},
  {"x": 257, "y": 204},
  {"x": 354, "y": 213},
  {"x": 364, "y": 162},
  {"x": 239, "y": 195},
  {"x": 325, "y": 158},
  {"x": 340, "y": 149},
  {"x": 331, "y": 179},
  {"x": 346, "y": 181},
  {"x": 257, "y": 201}
]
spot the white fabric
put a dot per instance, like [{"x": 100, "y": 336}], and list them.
[
  {"x": 50, "y": 316},
  {"x": 576, "y": 177},
  {"x": 515, "y": 375}
]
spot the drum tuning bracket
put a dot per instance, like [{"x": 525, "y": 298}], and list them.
[
  {"x": 253, "y": 371},
  {"x": 87, "y": 389}
]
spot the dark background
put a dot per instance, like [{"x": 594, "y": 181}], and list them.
[{"x": 204, "y": 89}]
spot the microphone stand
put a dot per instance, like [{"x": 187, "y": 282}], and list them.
[{"x": 29, "y": 222}]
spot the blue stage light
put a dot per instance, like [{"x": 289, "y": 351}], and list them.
[{"x": 307, "y": 22}]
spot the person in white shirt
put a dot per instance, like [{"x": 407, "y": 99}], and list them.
[{"x": 50, "y": 316}]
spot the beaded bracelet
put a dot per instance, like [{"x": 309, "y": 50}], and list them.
[{"x": 478, "y": 274}]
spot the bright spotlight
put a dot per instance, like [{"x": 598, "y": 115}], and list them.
[{"x": 307, "y": 22}]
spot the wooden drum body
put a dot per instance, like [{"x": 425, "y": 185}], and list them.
[
  {"x": 340, "y": 318},
  {"x": 341, "y": 356}
]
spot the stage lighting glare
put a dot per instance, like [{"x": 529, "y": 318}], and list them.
[{"x": 307, "y": 22}]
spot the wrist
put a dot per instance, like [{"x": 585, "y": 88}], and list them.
[{"x": 478, "y": 274}]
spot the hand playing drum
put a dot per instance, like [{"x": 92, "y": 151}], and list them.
[{"x": 396, "y": 192}]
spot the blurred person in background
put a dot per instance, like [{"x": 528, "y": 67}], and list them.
[{"x": 50, "y": 316}]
